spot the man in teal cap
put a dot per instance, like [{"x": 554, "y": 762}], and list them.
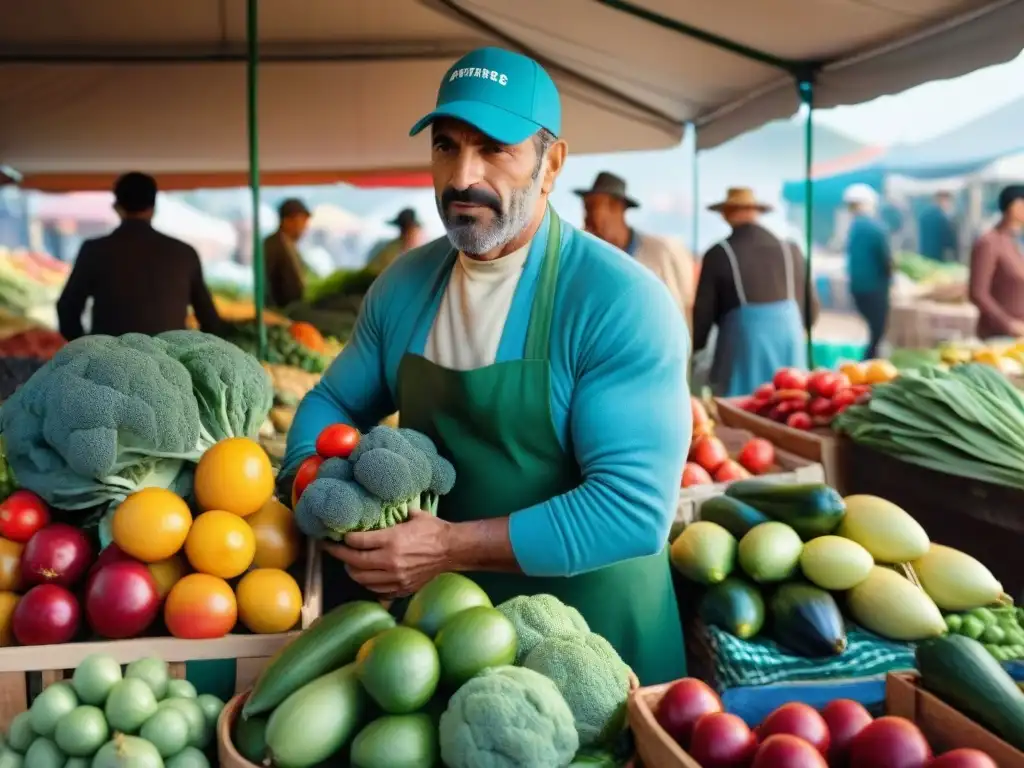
[{"x": 550, "y": 370}]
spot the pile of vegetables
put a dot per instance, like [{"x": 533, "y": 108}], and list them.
[
  {"x": 282, "y": 347},
  {"x": 459, "y": 681},
  {"x": 101, "y": 717},
  {"x": 775, "y": 559},
  {"x": 921, "y": 269},
  {"x": 367, "y": 482},
  {"x": 109, "y": 416},
  {"x": 966, "y": 422},
  {"x": 29, "y": 280},
  {"x": 35, "y": 343},
  {"x": 842, "y": 735},
  {"x": 340, "y": 283},
  {"x": 709, "y": 461}
]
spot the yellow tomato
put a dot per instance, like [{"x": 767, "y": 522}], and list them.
[
  {"x": 235, "y": 475},
  {"x": 855, "y": 372},
  {"x": 220, "y": 544},
  {"x": 167, "y": 573},
  {"x": 278, "y": 540},
  {"x": 10, "y": 565},
  {"x": 151, "y": 524},
  {"x": 200, "y": 607},
  {"x": 8, "y": 602},
  {"x": 879, "y": 372},
  {"x": 269, "y": 601}
]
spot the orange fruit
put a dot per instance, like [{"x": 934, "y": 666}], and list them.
[
  {"x": 879, "y": 372},
  {"x": 220, "y": 544},
  {"x": 269, "y": 601},
  {"x": 10, "y": 565},
  {"x": 8, "y": 602},
  {"x": 167, "y": 573},
  {"x": 199, "y": 607},
  {"x": 235, "y": 475},
  {"x": 855, "y": 372},
  {"x": 278, "y": 540},
  {"x": 151, "y": 524}
]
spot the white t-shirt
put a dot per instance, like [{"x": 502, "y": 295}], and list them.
[{"x": 674, "y": 267}]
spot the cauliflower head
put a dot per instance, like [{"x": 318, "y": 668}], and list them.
[
  {"x": 508, "y": 717},
  {"x": 537, "y": 617},
  {"x": 592, "y": 679}
]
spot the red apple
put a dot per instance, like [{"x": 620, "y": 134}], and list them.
[
  {"x": 683, "y": 704},
  {"x": 797, "y": 719}
]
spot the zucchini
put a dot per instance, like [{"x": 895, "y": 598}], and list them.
[
  {"x": 811, "y": 509},
  {"x": 317, "y": 720},
  {"x": 961, "y": 672},
  {"x": 735, "y": 516},
  {"x": 330, "y": 642},
  {"x": 734, "y": 606},
  {"x": 807, "y": 621}
]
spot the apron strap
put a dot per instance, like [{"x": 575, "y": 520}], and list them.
[
  {"x": 787, "y": 261},
  {"x": 538, "y": 332},
  {"x": 737, "y": 280}
]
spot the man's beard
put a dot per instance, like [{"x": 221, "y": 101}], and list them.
[{"x": 471, "y": 235}]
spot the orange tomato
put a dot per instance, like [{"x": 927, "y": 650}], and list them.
[
  {"x": 10, "y": 565},
  {"x": 235, "y": 475},
  {"x": 151, "y": 524},
  {"x": 308, "y": 336},
  {"x": 200, "y": 607},
  {"x": 855, "y": 372},
  {"x": 167, "y": 573},
  {"x": 8, "y": 602},
  {"x": 879, "y": 372},
  {"x": 278, "y": 540},
  {"x": 220, "y": 544},
  {"x": 269, "y": 601}
]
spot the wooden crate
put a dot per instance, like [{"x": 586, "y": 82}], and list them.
[{"x": 26, "y": 670}]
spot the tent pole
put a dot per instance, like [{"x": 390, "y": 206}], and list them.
[
  {"x": 252, "y": 73},
  {"x": 806, "y": 88},
  {"x": 695, "y": 194}
]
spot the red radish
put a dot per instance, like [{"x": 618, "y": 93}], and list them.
[
  {"x": 827, "y": 383},
  {"x": 820, "y": 406},
  {"x": 46, "y": 615},
  {"x": 722, "y": 740},
  {"x": 58, "y": 554},
  {"x": 783, "y": 750},
  {"x": 963, "y": 758},
  {"x": 765, "y": 391},
  {"x": 845, "y": 718},
  {"x": 791, "y": 396},
  {"x": 21, "y": 515},
  {"x": 757, "y": 456},
  {"x": 889, "y": 742},
  {"x": 752, "y": 404},
  {"x": 709, "y": 452},
  {"x": 682, "y": 705},
  {"x": 843, "y": 398},
  {"x": 695, "y": 474},
  {"x": 797, "y": 719},
  {"x": 729, "y": 470},
  {"x": 122, "y": 600},
  {"x": 799, "y": 421},
  {"x": 790, "y": 378}
]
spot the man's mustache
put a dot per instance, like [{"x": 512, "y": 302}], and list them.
[{"x": 470, "y": 196}]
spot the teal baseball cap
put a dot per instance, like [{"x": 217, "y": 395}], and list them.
[{"x": 505, "y": 95}]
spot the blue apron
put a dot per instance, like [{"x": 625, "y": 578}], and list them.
[{"x": 755, "y": 340}]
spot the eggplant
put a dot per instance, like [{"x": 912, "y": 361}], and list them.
[{"x": 807, "y": 621}]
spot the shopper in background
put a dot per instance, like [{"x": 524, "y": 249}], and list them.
[
  {"x": 936, "y": 229},
  {"x": 410, "y": 235},
  {"x": 751, "y": 287},
  {"x": 997, "y": 270},
  {"x": 286, "y": 280},
  {"x": 869, "y": 263},
  {"x": 115, "y": 270},
  {"x": 605, "y": 205}
]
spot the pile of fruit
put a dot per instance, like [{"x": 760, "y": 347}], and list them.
[
  {"x": 103, "y": 718},
  {"x": 709, "y": 461},
  {"x": 803, "y": 400},
  {"x": 842, "y": 735},
  {"x": 458, "y": 682},
  {"x": 160, "y": 562},
  {"x": 788, "y": 552},
  {"x": 1007, "y": 358}
]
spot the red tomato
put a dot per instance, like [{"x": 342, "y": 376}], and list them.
[
  {"x": 820, "y": 406},
  {"x": 765, "y": 391},
  {"x": 337, "y": 441},
  {"x": 709, "y": 452},
  {"x": 757, "y": 455},
  {"x": 305, "y": 476},
  {"x": 729, "y": 470},
  {"x": 21, "y": 515},
  {"x": 799, "y": 420},
  {"x": 695, "y": 474},
  {"x": 790, "y": 378},
  {"x": 844, "y": 398}
]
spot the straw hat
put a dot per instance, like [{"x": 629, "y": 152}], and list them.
[{"x": 740, "y": 197}]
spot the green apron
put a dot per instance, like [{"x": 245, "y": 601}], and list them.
[{"x": 495, "y": 425}]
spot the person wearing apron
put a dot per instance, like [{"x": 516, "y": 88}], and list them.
[
  {"x": 756, "y": 340},
  {"x": 526, "y": 433}
]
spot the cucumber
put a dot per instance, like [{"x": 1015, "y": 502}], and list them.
[
  {"x": 807, "y": 621},
  {"x": 317, "y": 720},
  {"x": 331, "y": 641},
  {"x": 811, "y": 509},
  {"x": 734, "y": 606},
  {"x": 735, "y": 516},
  {"x": 961, "y": 672}
]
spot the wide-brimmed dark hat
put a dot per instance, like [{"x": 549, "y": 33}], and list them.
[
  {"x": 292, "y": 207},
  {"x": 405, "y": 218},
  {"x": 609, "y": 184}
]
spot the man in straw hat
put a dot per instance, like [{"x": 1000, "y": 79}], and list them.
[
  {"x": 751, "y": 287},
  {"x": 605, "y": 205},
  {"x": 517, "y": 343}
]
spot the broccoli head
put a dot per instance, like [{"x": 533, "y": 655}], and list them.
[
  {"x": 537, "y": 617},
  {"x": 402, "y": 467},
  {"x": 330, "y": 508},
  {"x": 507, "y": 717},
  {"x": 337, "y": 468},
  {"x": 592, "y": 679}
]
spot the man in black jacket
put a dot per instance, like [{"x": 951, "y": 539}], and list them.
[{"x": 139, "y": 280}]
